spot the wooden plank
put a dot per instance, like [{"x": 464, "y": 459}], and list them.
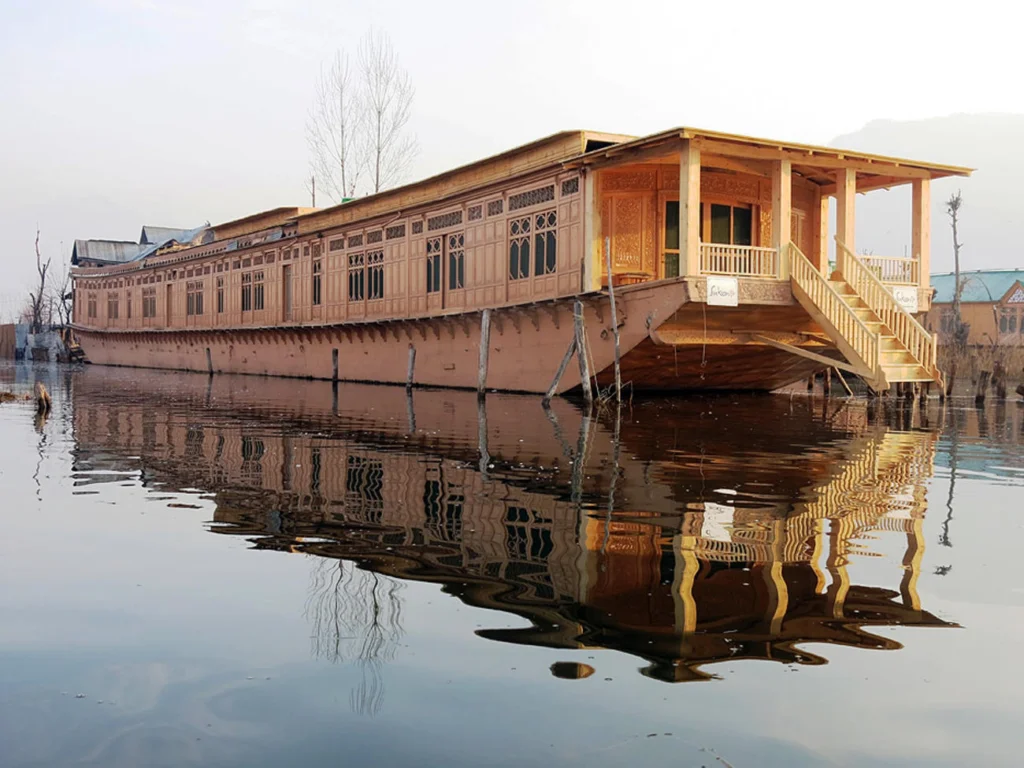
[
  {"x": 812, "y": 159},
  {"x": 801, "y": 352},
  {"x": 561, "y": 370}
]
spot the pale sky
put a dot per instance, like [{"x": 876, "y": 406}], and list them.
[{"x": 118, "y": 113}]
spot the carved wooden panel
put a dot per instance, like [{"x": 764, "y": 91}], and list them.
[
  {"x": 614, "y": 181},
  {"x": 627, "y": 225}
]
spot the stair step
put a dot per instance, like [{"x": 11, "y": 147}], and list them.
[
  {"x": 898, "y": 357},
  {"x": 905, "y": 372}
]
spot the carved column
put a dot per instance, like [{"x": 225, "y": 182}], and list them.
[
  {"x": 782, "y": 208},
  {"x": 689, "y": 208}
]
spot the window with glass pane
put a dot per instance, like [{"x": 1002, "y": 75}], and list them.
[
  {"x": 671, "y": 254},
  {"x": 721, "y": 223},
  {"x": 742, "y": 226}
]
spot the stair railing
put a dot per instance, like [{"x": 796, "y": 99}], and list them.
[
  {"x": 864, "y": 342},
  {"x": 880, "y": 300}
]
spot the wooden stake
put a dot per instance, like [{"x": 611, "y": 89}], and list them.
[
  {"x": 485, "y": 347},
  {"x": 979, "y": 393},
  {"x": 581, "y": 352},
  {"x": 615, "y": 323},
  {"x": 842, "y": 381},
  {"x": 828, "y": 382},
  {"x": 561, "y": 370},
  {"x": 411, "y": 368}
]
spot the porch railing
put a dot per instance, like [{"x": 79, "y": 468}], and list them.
[
  {"x": 864, "y": 342},
  {"x": 894, "y": 270},
  {"x": 880, "y": 300},
  {"x": 738, "y": 260}
]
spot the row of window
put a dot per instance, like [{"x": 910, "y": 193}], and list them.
[{"x": 533, "y": 245}]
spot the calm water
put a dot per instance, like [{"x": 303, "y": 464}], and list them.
[{"x": 256, "y": 572}]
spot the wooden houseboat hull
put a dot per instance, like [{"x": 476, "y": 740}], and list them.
[{"x": 526, "y": 347}]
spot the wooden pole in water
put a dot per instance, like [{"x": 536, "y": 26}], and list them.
[
  {"x": 411, "y": 368},
  {"x": 979, "y": 393},
  {"x": 581, "y": 352},
  {"x": 828, "y": 382},
  {"x": 561, "y": 370},
  {"x": 615, "y": 322},
  {"x": 842, "y": 380},
  {"x": 485, "y": 347}
]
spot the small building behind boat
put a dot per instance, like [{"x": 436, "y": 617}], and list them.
[{"x": 716, "y": 245}]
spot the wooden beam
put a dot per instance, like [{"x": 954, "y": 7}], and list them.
[
  {"x": 812, "y": 159},
  {"x": 689, "y": 208},
  {"x": 869, "y": 183},
  {"x": 921, "y": 237},
  {"x": 801, "y": 352},
  {"x": 739, "y": 166},
  {"x": 821, "y": 236}
]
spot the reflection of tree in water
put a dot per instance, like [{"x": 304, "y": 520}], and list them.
[{"x": 356, "y": 615}]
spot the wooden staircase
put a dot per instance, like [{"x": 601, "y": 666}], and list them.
[{"x": 883, "y": 343}]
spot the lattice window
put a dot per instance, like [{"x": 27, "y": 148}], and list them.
[
  {"x": 433, "y": 264},
  {"x": 317, "y": 281},
  {"x": 149, "y": 302},
  {"x": 495, "y": 207},
  {"x": 194, "y": 297},
  {"x": 444, "y": 220},
  {"x": 355, "y": 240},
  {"x": 570, "y": 186},
  {"x": 396, "y": 231},
  {"x": 545, "y": 227},
  {"x": 112, "y": 301},
  {"x": 257, "y": 289},
  {"x": 519, "y": 248},
  {"x": 476, "y": 212},
  {"x": 532, "y": 197},
  {"x": 374, "y": 237},
  {"x": 247, "y": 291},
  {"x": 336, "y": 245},
  {"x": 220, "y": 295},
  {"x": 456, "y": 243},
  {"x": 257, "y": 261},
  {"x": 356, "y": 276},
  {"x": 417, "y": 227},
  {"x": 246, "y": 263},
  {"x": 375, "y": 274}
]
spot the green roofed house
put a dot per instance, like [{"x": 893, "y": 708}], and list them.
[{"x": 991, "y": 303}]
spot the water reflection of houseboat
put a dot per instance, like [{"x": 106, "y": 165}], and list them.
[{"x": 511, "y": 509}]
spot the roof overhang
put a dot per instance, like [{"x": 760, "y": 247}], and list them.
[{"x": 817, "y": 164}]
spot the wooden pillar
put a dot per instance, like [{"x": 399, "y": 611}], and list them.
[
  {"x": 921, "y": 237},
  {"x": 822, "y": 239},
  {"x": 689, "y": 208},
  {"x": 778, "y": 592},
  {"x": 593, "y": 234},
  {"x": 782, "y": 208},
  {"x": 686, "y": 567},
  {"x": 846, "y": 192},
  {"x": 912, "y": 565}
]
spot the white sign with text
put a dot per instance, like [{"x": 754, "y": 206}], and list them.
[
  {"x": 723, "y": 292},
  {"x": 906, "y": 298}
]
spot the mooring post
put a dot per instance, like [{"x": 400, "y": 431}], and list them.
[
  {"x": 481, "y": 438},
  {"x": 485, "y": 346},
  {"x": 810, "y": 383},
  {"x": 828, "y": 382},
  {"x": 979, "y": 393},
  {"x": 615, "y": 321},
  {"x": 581, "y": 351},
  {"x": 561, "y": 370},
  {"x": 412, "y": 367}
]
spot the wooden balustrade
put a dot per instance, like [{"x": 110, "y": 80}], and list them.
[
  {"x": 894, "y": 270},
  {"x": 880, "y": 300},
  {"x": 739, "y": 260},
  {"x": 835, "y": 310}
]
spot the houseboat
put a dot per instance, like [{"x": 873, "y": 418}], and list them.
[{"x": 700, "y": 258}]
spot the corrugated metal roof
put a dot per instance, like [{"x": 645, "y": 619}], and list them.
[
  {"x": 151, "y": 234},
  {"x": 112, "y": 251},
  {"x": 979, "y": 286},
  {"x": 181, "y": 237}
]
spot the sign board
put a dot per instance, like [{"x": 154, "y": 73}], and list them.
[
  {"x": 906, "y": 298},
  {"x": 723, "y": 292}
]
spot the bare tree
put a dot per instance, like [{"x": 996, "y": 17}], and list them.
[
  {"x": 387, "y": 107},
  {"x": 62, "y": 296},
  {"x": 953, "y": 206},
  {"x": 332, "y": 130},
  {"x": 357, "y": 128},
  {"x": 38, "y": 297}
]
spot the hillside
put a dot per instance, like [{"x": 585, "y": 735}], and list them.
[{"x": 993, "y": 196}]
